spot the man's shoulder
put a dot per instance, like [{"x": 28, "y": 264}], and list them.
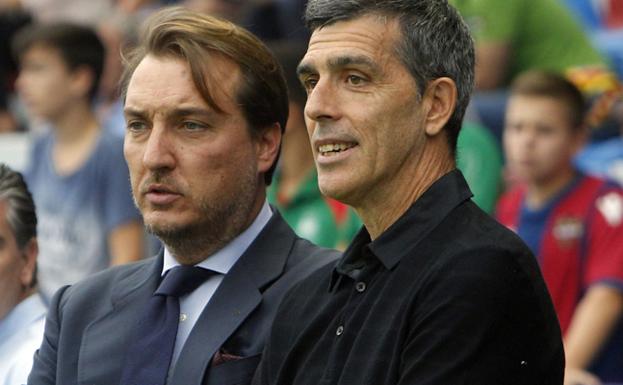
[
  {"x": 299, "y": 253},
  {"x": 471, "y": 240},
  {"x": 314, "y": 283},
  {"x": 304, "y": 251},
  {"x": 100, "y": 286},
  {"x": 474, "y": 228},
  {"x": 306, "y": 260}
]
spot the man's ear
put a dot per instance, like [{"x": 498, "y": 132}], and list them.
[
  {"x": 29, "y": 253},
  {"x": 82, "y": 81},
  {"x": 439, "y": 101},
  {"x": 268, "y": 144}
]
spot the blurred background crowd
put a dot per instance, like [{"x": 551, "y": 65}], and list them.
[{"x": 61, "y": 120}]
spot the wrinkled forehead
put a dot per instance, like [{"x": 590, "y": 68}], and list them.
[
  {"x": 369, "y": 36},
  {"x": 216, "y": 80}
]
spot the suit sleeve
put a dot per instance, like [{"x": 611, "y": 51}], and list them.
[{"x": 46, "y": 357}]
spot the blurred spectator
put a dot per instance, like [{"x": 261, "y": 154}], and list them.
[
  {"x": 294, "y": 190},
  {"x": 232, "y": 10},
  {"x": 10, "y": 22},
  {"x": 88, "y": 12},
  {"x": 270, "y": 20},
  {"x": 516, "y": 35},
  {"x": 572, "y": 222},
  {"x": 22, "y": 312},
  {"x": 8, "y": 123},
  {"x": 77, "y": 174},
  {"x": 603, "y": 21}
]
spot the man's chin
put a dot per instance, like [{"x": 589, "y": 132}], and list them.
[
  {"x": 339, "y": 191},
  {"x": 166, "y": 231}
]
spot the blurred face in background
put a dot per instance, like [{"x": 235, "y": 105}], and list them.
[
  {"x": 539, "y": 139},
  {"x": 46, "y": 85}
]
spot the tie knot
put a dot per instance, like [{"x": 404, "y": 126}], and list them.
[{"x": 182, "y": 280}]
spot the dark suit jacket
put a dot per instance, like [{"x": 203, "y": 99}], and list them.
[{"x": 89, "y": 324}]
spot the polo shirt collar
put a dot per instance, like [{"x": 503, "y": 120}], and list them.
[{"x": 412, "y": 227}]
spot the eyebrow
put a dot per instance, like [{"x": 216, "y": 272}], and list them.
[
  {"x": 129, "y": 111},
  {"x": 338, "y": 63},
  {"x": 181, "y": 112}
]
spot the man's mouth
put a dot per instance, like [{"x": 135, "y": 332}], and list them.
[{"x": 334, "y": 148}]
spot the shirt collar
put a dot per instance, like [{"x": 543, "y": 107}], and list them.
[
  {"x": 413, "y": 226},
  {"x": 225, "y": 258},
  {"x": 22, "y": 315}
]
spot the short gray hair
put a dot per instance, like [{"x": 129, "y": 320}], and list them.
[
  {"x": 21, "y": 215},
  {"x": 435, "y": 42}
]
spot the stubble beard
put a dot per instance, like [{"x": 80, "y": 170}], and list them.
[{"x": 220, "y": 222}]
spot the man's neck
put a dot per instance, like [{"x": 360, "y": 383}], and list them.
[
  {"x": 76, "y": 133},
  {"x": 196, "y": 244},
  {"x": 74, "y": 125},
  {"x": 388, "y": 202}
]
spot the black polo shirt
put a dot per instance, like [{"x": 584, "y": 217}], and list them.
[{"x": 445, "y": 296}]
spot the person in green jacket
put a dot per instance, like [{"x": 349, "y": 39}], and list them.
[{"x": 512, "y": 36}]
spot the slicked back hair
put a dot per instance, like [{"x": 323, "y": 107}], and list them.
[
  {"x": 435, "y": 42},
  {"x": 179, "y": 33},
  {"x": 21, "y": 215}
]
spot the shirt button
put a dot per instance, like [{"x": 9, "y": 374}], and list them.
[
  {"x": 360, "y": 287},
  {"x": 183, "y": 317},
  {"x": 340, "y": 330}
]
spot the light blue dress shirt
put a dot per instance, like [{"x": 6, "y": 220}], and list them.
[
  {"x": 191, "y": 305},
  {"x": 21, "y": 333}
]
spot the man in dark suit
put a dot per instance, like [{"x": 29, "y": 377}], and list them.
[{"x": 205, "y": 106}]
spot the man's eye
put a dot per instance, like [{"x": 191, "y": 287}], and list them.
[
  {"x": 192, "y": 126},
  {"x": 309, "y": 83},
  {"x": 355, "y": 80},
  {"x": 136, "y": 126}
]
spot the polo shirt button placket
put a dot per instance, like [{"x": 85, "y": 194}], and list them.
[{"x": 360, "y": 287}]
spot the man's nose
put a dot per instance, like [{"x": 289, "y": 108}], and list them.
[
  {"x": 323, "y": 102},
  {"x": 159, "y": 149}
]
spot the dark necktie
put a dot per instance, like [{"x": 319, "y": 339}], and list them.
[{"x": 149, "y": 356}]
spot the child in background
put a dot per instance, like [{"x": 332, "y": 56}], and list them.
[
  {"x": 77, "y": 173},
  {"x": 572, "y": 222}
]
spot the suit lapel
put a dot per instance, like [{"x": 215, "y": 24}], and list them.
[
  {"x": 101, "y": 353},
  {"x": 237, "y": 296}
]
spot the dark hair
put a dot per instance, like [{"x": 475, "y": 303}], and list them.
[
  {"x": 435, "y": 42},
  {"x": 289, "y": 53},
  {"x": 193, "y": 37},
  {"x": 556, "y": 86},
  {"x": 21, "y": 215},
  {"x": 78, "y": 46}
]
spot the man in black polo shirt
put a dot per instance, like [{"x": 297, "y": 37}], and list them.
[{"x": 432, "y": 290}]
